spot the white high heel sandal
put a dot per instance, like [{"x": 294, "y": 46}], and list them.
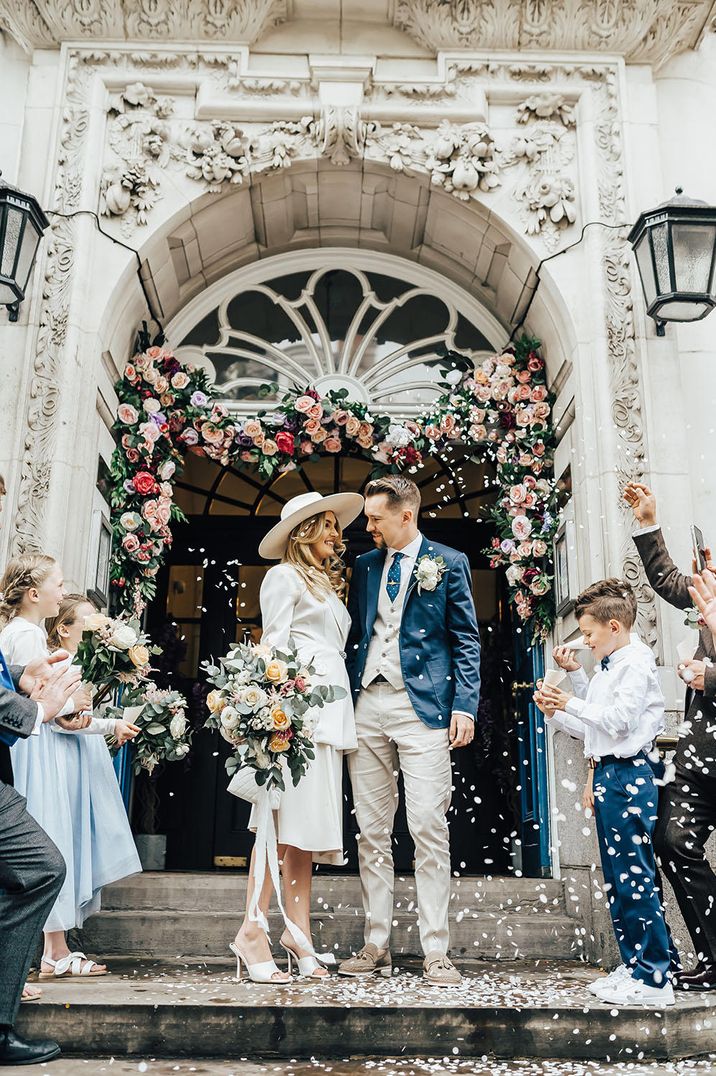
[
  {"x": 258, "y": 973},
  {"x": 307, "y": 965}
]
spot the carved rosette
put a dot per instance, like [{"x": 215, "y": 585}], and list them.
[{"x": 217, "y": 155}]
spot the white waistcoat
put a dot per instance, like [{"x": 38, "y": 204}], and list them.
[{"x": 384, "y": 649}]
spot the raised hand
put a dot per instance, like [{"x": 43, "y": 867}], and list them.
[
  {"x": 642, "y": 503},
  {"x": 82, "y": 698},
  {"x": 564, "y": 657}
]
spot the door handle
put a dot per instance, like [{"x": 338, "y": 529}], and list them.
[{"x": 521, "y": 685}]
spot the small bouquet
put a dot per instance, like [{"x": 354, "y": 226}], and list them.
[
  {"x": 112, "y": 653},
  {"x": 260, "y": 704},
  {"x": 165, "y": 733}
]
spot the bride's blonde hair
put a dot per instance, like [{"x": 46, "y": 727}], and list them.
[{"x": 320, "y": 576}]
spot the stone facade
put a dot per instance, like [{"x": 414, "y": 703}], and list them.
[{"x": 471, "y": 139}]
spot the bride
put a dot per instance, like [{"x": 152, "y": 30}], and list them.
[{"x": 302, "y": 599}]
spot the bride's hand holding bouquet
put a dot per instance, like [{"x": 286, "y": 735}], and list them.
[{"x": 260, "y": 704}]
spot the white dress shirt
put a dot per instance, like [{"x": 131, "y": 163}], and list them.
[{"x": 620, "y": 710}]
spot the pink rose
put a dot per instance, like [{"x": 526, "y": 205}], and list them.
[
  {"x": 529, "y": 501},
  {"x": 525, "y": 550},
  {"x": 539, "y": 548},
  {"x": 320, "y": 435},
  {"x": 150, "y": 432},
  {"x": 150, "y": 509},
  {"x": 130, "y": 543},
  {"x": 538, "y": 394},
  {"x": 127, "y": 414},
  {"x": 447, "y": 424},
  {"x": 332, "y": 444},
  {"x": 352, "y": 426},
  {"x": 525, "y": 459},
  {"x": 259, "y": 439},
  {"x": 312, "y": 426},
  {"x": 340, "y": 417},
  {"x": 502, "y": 454},
  {"x": 164, "y": 514},
  {"x": 541, "y": 411},
  {"x": 523, "y": 416},
  {"x": 166, "y": 471},
  {"x": 432, "y": 433},
  {"x": 535, "y": 363},
  {"x": 180, "y": 380},
  {"x": 212, "y": 434},
  {"x": 522, "y": 392},
  {"x": 269, "y": 447},
  {"x": 252, "y": 428},
  {"x": 524, "y": 376},
  {"x": 518, "y": 494},
  {"x": 316, "y": 411},
  {"x": 483, "y": 393},
  {"x": 477, "y": 433},
  {"x": 304, "y": 404},
  {"x": 521, "y": 527},
  {"x": 529, "y": 481},
  {"x": 365, "y": 441},
  {"x": 306, "y": 448},
  {"x": 365, "y": 429},
  {"x": 540, "y": 586},
  {"x": 539, "y": 448}
]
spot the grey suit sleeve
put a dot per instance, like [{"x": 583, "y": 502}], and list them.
[
  {"x": 663, "y": 575},
  {"x": 16, "y": 672},
  {"x": 17, "y": 713}
]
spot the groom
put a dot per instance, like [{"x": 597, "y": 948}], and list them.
[{"x": 413, "y": 657}]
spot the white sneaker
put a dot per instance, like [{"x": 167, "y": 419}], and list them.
[
  {"x": 633, "y": 991},
  {"x": 606, "y": 982}
]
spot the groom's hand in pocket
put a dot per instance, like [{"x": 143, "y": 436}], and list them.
[{"x": 462, "y": 731}]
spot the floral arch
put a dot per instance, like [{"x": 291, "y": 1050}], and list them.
[{"x": 499, "y": 408}]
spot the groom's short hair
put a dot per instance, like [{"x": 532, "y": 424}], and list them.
[{"x": 401, "y": 492}]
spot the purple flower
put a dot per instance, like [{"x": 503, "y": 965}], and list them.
[
  {"x": 129, "y": 486},
  {"x": 190, "y": 436},
  {"x": 158, "y": 418},
  {"x": 199, "y": 399},
  {"x": 507, "y": 545}
]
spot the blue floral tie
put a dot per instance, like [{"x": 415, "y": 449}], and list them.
[{"x": 392, "y": 584}]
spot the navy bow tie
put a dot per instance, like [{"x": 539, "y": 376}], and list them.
[{"x": 605, "y": 663}]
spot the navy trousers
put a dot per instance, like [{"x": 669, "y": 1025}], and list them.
[{"x": 625, "y": 806}]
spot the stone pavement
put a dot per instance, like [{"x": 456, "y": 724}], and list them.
[{"x": 504, "y": 1010}]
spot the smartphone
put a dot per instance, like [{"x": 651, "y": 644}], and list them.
[{"x": 698, "y": 544}]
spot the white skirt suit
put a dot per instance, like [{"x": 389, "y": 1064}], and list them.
[{"x": 311, "y": 813}]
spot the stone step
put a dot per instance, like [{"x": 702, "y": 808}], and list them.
[
  {"x": 198, "y": 934},
  {"x": 186, "y": 891},
  {"x": 537, "y": 1010}
]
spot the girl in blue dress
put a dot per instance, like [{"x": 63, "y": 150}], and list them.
[{"x": 68, "y": 780}]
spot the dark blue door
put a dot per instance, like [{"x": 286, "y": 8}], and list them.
[{"x": 532, "y": 754}]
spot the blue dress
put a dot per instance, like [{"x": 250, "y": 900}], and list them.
[{"x": 71, "y": 790}]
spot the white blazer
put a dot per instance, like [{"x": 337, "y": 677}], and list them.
[{"x": 319, "y": 629}]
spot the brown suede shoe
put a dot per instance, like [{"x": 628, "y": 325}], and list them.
[
  {"x": 439, "y": 970},
  {"x": 370, "y": 960}
]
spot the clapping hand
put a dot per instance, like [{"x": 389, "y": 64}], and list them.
[
  {"x": 38, "y": 671},
  {"x": 703, "y": 593},
  {"x": 53, "y": 693}
]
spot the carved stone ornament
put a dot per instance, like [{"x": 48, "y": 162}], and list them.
[
  {"x": 47, "y": 23},
  {"x": 463, "y": 160},
  {"x": 643, "y": 31},
  {"x": 217, "y": 155}
]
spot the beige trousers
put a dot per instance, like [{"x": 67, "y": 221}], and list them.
[{"x": 391, "y": 737}]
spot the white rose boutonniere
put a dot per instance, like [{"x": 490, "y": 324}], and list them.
[{"x": 429, "y": 571}]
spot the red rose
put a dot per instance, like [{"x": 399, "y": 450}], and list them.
[
  {"x": 535, "y": 363},
  {"x": 144, "y": 483},
  {"x": 286, "y": 442}
]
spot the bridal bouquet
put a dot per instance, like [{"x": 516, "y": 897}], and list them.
[
  {"x": 260, "y": 704},
  {"x": 165, "y": 733},
  {"x": 112, "y": 653}
]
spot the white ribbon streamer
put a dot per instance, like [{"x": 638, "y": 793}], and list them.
[{"x": 266, "y": 853}]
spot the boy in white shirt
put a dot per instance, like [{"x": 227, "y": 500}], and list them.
[{"x": 618, "y": 713}]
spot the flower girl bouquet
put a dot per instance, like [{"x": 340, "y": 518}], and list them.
[
  {"x": 113, "y": 653},
  {"x": 164, "y": 730},
  {"x": 260, "y": 704}
]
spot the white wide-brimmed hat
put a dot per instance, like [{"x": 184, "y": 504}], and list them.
[{"x": 345, "y": 506}]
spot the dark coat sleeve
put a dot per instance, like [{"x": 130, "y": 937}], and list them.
[
  {"x": 663, "y": 575},
  {"x": 464, "y": 636},
  {"x": 17, "y": 714},
  {"x": 356, "y": 629}
]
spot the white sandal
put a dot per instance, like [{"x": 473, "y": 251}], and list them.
[
  {"x": 308, "y": 966},
  {"x": 71, "y": 967},
  {"x": 263, "y": 972}
]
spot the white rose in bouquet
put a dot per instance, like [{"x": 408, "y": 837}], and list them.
[
  {"x": 177, "y": 726},
  {"x": 243, "y": 678},
  {"x": 253, "y": 696},
  {"x": 123, "y": 637},
  {"x": 95, "y": 621},
  {"x": 181, "y": 750},
  {"x": 229, "y": 717}
]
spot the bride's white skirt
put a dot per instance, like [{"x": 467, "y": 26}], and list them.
[{"x": 311, "y": 813}]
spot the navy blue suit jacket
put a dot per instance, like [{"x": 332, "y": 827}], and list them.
[{"x": 439, "y": 635}]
